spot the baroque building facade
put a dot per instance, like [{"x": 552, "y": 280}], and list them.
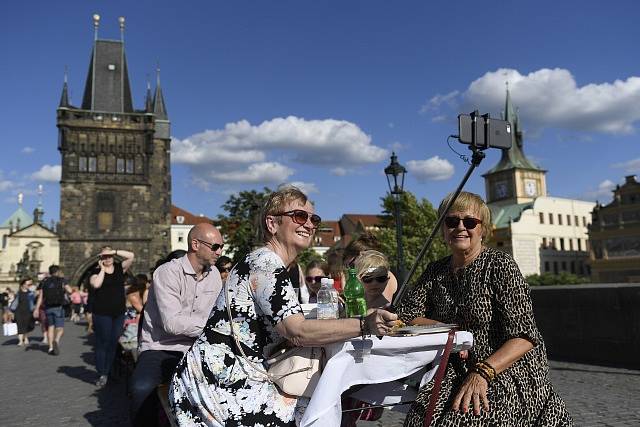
[
  {"x": 115, "y": 187},
  {"x": 544, "y": 234},
  {"x": 615, "y": 236}
]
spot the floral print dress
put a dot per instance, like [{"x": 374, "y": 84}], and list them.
[{"x": 213, "y": 385}]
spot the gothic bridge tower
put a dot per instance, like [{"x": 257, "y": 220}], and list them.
[{"x": 116, "y": 179}]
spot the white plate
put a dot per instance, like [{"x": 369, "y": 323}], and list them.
[{"x": 413, "y": 330}]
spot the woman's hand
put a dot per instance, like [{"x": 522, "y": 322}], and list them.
[
  {"x": 380, "y": 322},
  {"x": 473, "y": 389}
]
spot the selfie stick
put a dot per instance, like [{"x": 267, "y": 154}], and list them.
[{"x": 476, "y": 158}]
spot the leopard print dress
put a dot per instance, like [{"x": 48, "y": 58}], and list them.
[{"x": 491, "y": 299}]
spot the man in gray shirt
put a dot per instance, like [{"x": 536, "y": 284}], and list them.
[{"x": 183, "y": 292}]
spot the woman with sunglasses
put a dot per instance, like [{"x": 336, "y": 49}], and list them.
[
  {"x": 373, "y": 272},
  {"x": 315, "y": 272},
  {"x": 214, "y": 384},
  {"x": 504, "y": 379},
  {"x": 224, "y": 264}
]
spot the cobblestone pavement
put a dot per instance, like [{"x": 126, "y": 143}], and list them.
[{"x": 38, "y": 389}]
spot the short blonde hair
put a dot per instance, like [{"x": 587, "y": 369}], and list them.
[
  {"x": 369, "y": 261},
  {"x": 470, "y": 202},
  {"x": 275, "y": 204}
]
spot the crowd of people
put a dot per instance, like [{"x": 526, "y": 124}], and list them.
[{"x": 206, "y": 326}]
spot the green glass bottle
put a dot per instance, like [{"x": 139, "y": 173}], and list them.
[{"x": 354, "y": 296}]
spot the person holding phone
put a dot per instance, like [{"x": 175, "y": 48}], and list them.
[{"x": 108, "y": 306}]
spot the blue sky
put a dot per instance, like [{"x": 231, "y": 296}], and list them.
[{"x": 320, "y": 93}]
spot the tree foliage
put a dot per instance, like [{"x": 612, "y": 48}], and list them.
[
  {"x": 418, "y": 219},
  {"x": 241, "y": 223},
  {"x": 550, "y": 279}
]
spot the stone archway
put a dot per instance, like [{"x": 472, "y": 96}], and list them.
[{"x": 80, "y": 277}]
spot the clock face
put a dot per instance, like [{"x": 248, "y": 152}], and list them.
[
  {"x": 530, "y": 187},
  {"x": 501, "y": 189}
]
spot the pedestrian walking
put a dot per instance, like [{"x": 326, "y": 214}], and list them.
[
  {"x": 108, "y": 306},
  {"x": 23, "y": 311},
  {"x": 52, "y": 296}
]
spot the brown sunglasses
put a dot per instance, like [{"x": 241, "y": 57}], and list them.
[{"x": 300, "y": 217}]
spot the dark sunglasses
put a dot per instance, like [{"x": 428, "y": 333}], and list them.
[
  {"x": 300, "y": 217},
  {"x": 213, "y": 246},
  {"x": 468, "y": 222},
  {"x": 224, "y": 269},
  {"x": 315, "y": 279},
  {"x": 379, "y": 279}
]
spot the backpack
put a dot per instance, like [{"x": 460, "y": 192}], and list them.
[{"x": 53, "y": 291}]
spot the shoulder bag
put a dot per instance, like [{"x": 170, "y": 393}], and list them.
[{"x": 295, "y": 371}]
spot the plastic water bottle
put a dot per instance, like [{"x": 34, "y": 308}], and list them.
[
  {"x": 325, "y": 302},
  {"x": 335, "y": 299}
]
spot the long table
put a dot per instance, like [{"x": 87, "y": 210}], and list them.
[{"x": 374, "y": 361}]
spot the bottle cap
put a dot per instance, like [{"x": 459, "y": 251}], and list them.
[{"x": 329, "y": 281}]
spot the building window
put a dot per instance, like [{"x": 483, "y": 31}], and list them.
[
  {"x": 553, "y": 243},
  {"x": 568, "y": 219},
  {"x": 570, "y": 244},
  {"x": 544, "y": 243},
  {"x": 573, "y": 267},
  {"x": 129, "y": 165},
  {"x": 119, "y": 165},
  {"x": 551, "y": 218},
  {"x": 579, "y": 244},
  {"x": 580, "y": 267},
  {"x": 105, "y": 209},
  {"x": 500, "y": 244},
  {"x": 82, "y": 164},
  {"x": 575, "y": 221},
  {"x": 559, "y": 219},
  {"x": 546, "y": 266},
  {"x": 564, "y": 266},
  {"x": 562, "y": 243},
  {"x": 180, "y": 237},
  {"x": 541, "y": 218},
  {"x": 92, "y": 164},
  {"x": 555, "y": 267},
  {"x": 584, "y": 221}
]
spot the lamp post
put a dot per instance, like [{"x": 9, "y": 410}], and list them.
[{"x": 395, "y": 178}]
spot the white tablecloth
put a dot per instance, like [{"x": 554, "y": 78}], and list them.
[{"x": 388, "y": 359}]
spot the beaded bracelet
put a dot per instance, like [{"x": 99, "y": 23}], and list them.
[{"x": 485, "y": 370}]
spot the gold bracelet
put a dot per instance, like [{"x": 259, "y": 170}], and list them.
[{"x": 491, "y": 370}]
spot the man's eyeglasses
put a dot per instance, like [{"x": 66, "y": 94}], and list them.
[
  {"x": 315, "y": 279},
  {"x": 213, "y": 246},
  {"x": 468, "y": 222},
  {"x": 379, "y": 279},
  {"x": 300, "y": 217}
]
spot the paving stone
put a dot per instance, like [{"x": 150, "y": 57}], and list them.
[{"x": 60, "y": 391}]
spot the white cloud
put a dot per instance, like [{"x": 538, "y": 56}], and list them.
[
  {"x": 631, "y": 166},
  {"x": 306, "y": 187},
  {"x": 338, "y": 171},
  {"x": 433, "y": 169},
  {"x": 48, "y": 173},
  {"x": 6, "y": 185},
  {"x": 243, "y": 153},
  {"x": 551, "y": 98},
  {"x": 603, "y": 192},
  {"x": 438, "y": 100},
  {"x": 268, "y": 172},
  {"x": 321, "y": 142},
  {"x": 28, "y": 150}
]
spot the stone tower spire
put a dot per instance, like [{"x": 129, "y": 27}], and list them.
[{"x": 64, "y": 98}]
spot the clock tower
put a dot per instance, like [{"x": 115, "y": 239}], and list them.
[{"x": 515, "y": 179}]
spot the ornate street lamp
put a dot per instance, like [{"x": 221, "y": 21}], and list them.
[{"x": 395, "y": 178}]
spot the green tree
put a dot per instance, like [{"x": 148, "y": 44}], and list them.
[
  {"x": 418, "y": 219},
  {"x": 308, "y": 255},
  {"x": 241, "y": 224}
]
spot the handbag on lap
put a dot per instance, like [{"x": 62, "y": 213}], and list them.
[{"x": 294, "y": 371}]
